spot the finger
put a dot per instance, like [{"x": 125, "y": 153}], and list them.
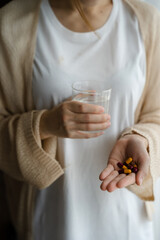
[
  {"x": 106, "y": 172},
  {"x": 141, "y": 174},
  {"x": 91, "y": 126},
  {"x": 108, "y": 179},
  {"x": 94, "y": 118},
  {"x": 79, "y": 107},
  {"x": 113, "y": 184},
  {"x": 143, "y": 168},
  {"x": 140, "y": 177},
  {"x": 126, "y": 181}
]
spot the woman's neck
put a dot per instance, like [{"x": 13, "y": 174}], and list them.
[
  {"x": 96, "y": 11},
  {"x": 95, "y": 3},
  {"x": 91, "y": 4}
]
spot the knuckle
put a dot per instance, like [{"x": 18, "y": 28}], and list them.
[
  {"x": 114, "y": 173},
  {"x": 64, "y": 118},
  {"x": 65, "y": 115},
  {"x": 88, "y": 127},
  {"x": 87, "y": 117},
  {"x": 104, "y": 118},
  {"x": 81, "y": 107},
  {"x": 63, "y": 108},
  {"x": 104, "y": 125}
]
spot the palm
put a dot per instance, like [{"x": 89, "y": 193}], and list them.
[{"x": 124, "y": 148}]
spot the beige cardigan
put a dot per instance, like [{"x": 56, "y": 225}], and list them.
[{"x": 28, "y": 163}]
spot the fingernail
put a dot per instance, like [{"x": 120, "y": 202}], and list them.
[
  {"x": 101, "y": 109},
  {"x": 101, "y": 133},
  {"x": 108, "y": 124}
]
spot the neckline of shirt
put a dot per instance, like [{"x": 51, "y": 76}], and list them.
[{"x": 81, "y": 36}]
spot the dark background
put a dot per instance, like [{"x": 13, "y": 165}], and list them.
[
  {"x": 3, "y": 2},
  {"x": 7, "y": 231}
]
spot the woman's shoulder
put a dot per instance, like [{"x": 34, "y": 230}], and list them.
[
  {"x": 18, "y": 21},
  {"x": 16, "y": 10},
  {"x": 144, "y": 10},
  {"x": 148, "y": 17}
]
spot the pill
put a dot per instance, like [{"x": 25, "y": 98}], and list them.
[
  {"x": 127, "y": 170},
  {"x": 129, "y": 160},
  {"x": 124, "y": 167},
  {"x": 135, "y": 170},
  {"x": 125, "y": 164},
  {"x": 130, "y": 167},
  {"x": 119, "y": 164},
  {"x": 121, "y": 171}
]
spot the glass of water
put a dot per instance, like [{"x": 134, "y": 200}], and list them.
[{"x": 92, "y": 92}]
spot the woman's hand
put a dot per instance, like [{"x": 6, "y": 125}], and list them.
[
  {"x": 71, "y": 117},
  {"x": 134, "y": 146}
]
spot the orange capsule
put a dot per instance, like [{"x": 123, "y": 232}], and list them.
[
  {"x": 129, "y": 160},
  {"x": 135, "y": 165},
  {"x": 127, "y": 170},
  {"x": 124, "y": 167}
]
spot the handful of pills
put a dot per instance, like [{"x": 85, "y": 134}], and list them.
[{"x": 127, "y": 167}]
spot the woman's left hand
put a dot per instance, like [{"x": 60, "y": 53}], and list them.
[{"x": 134, "y": 146}]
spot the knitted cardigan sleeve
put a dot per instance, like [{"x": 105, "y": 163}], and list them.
[
  {"x": 147, "y": 121},
  {"x": 23, "y": 156}
]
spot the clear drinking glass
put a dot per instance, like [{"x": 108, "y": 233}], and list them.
[{"x": 92, "y": 92}]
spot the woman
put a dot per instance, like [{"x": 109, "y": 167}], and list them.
[{"x": 41, "y": 143}]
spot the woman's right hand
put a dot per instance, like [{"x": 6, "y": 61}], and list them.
[{"x": 70, "y": 118}]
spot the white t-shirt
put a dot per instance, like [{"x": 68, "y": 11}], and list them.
[{"x": 74, "y": 207}]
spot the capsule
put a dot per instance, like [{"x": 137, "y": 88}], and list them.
[
  {"x": 135, "y": 165},
  {"x": 127, "y": 170},
  {"x": 130, "y": 167},
  {"x": 119, "y": 164},
  {"x": 135, "y": 170},
  {"x": 125, "y": 164},
  {"x": 124, "y": 167},
  {"x": 129, "y": 160},
  {"x": 121, "y": 171}
]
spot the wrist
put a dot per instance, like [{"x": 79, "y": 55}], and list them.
[{"x": 140, "y": 138}]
